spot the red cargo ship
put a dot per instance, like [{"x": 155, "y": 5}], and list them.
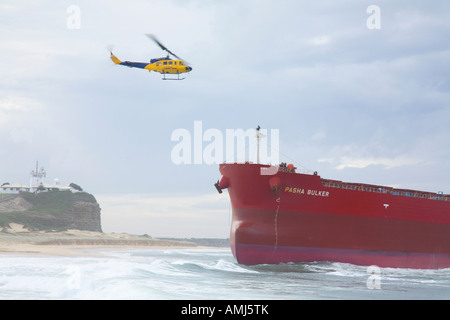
[{"x": 281, "y": 216}]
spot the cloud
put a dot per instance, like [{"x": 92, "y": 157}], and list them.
[
  {"x": 166, "y": 215},
  {"x": 17, "y": 116},
  {"x": 343, "y": 162},
  {"x": 318, "y": 41}
]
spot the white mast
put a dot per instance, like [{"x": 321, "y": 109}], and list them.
[{"x": 259, "y": 135}]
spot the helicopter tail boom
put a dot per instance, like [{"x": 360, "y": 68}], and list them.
[
  {"x": 141, "y": 65},
  {"x": 115, "y": 59}
]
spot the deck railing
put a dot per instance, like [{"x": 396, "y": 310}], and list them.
[{"x": 386, "y": 190}]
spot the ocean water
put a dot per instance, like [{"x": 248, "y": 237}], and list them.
[{"x": 206, "y": 274}]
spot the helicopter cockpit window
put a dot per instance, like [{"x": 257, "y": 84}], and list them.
[{"x": 181, "y": 63}]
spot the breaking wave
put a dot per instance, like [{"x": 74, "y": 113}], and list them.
[{"x": 205, "y": 274}]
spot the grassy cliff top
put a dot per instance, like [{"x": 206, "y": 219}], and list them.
[{"x": 47, "y": 210}]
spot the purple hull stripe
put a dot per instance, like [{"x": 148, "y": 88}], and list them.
[{"x": 260, "y": 254}]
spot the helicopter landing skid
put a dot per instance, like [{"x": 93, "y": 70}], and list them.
[{"x": 178, "y": 78}]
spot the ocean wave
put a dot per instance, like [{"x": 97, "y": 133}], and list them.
[{"x": 209, "y": 274}]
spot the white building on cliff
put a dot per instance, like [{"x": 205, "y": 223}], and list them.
[{"x": 37, "y": 182}]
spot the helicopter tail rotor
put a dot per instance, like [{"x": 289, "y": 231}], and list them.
[
  {"x": 113, "y": 57},
  {"x": 110, "y": 47}
]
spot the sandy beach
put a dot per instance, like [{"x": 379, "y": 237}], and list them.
[{"x": 17, "y": 240}]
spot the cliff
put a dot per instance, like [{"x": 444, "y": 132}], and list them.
[{"x": 52, "y": 210}]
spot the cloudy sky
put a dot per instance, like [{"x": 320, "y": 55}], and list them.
[{"x": 355, "y": 103}]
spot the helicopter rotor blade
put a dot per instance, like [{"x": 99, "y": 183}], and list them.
[
  {"x": 109, "y": 47},
  {"x": 152, "y": 37}
]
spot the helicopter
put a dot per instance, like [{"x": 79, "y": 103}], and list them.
[{"x": 164, "y": 65}]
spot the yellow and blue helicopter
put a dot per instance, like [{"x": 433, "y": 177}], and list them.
[{"x": 164, "y": 65}]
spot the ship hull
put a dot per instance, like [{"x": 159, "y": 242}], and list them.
[
  {"x": 303, "y": 221},
  {"x": 287, "y": 236}
]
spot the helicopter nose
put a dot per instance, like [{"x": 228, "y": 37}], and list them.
[{"x": 188, "y": 69}]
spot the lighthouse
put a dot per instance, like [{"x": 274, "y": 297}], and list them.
[{"x": 37, "y": 178}]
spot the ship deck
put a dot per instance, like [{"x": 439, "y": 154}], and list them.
[
  {"x": 373, "y": 188},
  {"x": 385, "y": 190}
]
